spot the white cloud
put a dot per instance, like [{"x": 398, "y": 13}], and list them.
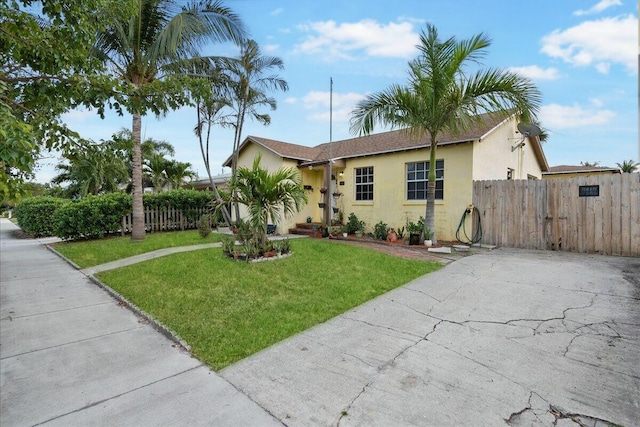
[
  {"x": 535, "y": 72},
  {"x": 595, "y": 102},
  {"x": 598, "y": 43},
  {"x": 343, "y": 104},
  {"x": 270, "y": 48},
  {"x": 555, "y": 116},
  {"x": 346, "y": 40},
  {"x": 290, "y": 100},
  {"x": 599, "y": 7},
  {"x": 277, "y": 11}
]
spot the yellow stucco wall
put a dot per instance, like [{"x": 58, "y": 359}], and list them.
[
  {"x": 492, "y": 156},
  {"x": 463, "y": 163},
  {"x": 390, "y": 203}
]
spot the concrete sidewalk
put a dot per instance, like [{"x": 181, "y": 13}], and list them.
[{"x": 71, "y": 356}]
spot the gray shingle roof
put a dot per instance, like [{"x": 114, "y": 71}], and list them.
[{"x": 379, "y": 143}]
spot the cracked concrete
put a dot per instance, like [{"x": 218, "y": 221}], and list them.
[{"x": 509, "y": 337}]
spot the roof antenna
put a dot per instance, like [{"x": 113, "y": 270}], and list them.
[{"x": 527, "y": 130}]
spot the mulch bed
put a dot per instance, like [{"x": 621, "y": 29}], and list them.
[{"x": 398, "y": 248}]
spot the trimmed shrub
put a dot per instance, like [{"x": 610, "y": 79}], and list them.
[
  {"x": 204, "y": 226},
  {"x": 92, "y": 217},
  {"x": 35, "y": 215}
]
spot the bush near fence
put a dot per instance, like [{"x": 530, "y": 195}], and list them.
[
  {"x": 35, "y": 215},
  {"x": 94, "y": 217}
]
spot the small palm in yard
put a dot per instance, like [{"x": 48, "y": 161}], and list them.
[
  {"x": 442, "y": 97},
  {"x": 267, "y": 195}
]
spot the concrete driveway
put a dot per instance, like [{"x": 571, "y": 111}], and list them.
[{"x": 510, "y": 337}]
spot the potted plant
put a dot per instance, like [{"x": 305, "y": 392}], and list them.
[
  {"x": 414, "y": 230},
  {"x": 427, "y": 237},
  {"x": 269, "y": 250},
  {"x": 345, "y": 230},
  {"x": 360, "y": 230}
]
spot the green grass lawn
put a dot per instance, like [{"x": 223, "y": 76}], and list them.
[
  {"x": 228, "y": 310},
  {"x": 95, "y": 252}
]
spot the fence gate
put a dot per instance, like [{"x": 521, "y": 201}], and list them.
[{"x": 595, "y": 214}]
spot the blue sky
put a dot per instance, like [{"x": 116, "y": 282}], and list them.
[{"x": 582, "y": 55}]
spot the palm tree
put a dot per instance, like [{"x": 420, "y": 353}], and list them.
[
  {"x": 442, "y": 97},
  {"x": 92, "y": 169},
  {"x": 154, "y": 168},
  {"x": 628, "y": 166},
  {"x": 178, "y": 173},
  {"x": 267, "y": 195},
  {"x": 210, "y": 112},
  {"x": 156, "y": 44},
  {"x": 250, "y": 83}
]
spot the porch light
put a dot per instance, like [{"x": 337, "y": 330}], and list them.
[{"x": 341, "y": 173}]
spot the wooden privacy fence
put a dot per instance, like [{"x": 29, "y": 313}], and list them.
[
  {"x": 166, "y": 219},
  {"x": 594, "y": 214}
]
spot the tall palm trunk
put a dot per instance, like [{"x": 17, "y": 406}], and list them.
[
  {"x": 236, "y": 142},
  {"x": 137, "y": 231},
  {"x": 205, "y": 157},
  {"x": 430, "y": 213}
]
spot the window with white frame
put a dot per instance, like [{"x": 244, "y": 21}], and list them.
[
  {"x": 364, "y": 183},
  {"x": 418, "y": 176}
]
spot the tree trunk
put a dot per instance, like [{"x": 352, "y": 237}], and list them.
[
  {"x": 137, "y": 227},
  {"x": 430, "y": 213},
  {"x": 236, "y": 142},
  {"x": 205, "y": 158}
]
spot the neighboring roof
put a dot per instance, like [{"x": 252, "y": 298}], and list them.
[
  {"x": 579, "y": 169},
  {"x": 204, "y": 181},
  {"x": 380, "y": 143}
]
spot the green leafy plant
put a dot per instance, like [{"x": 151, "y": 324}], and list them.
[
  {"x": 380, "y": 231},
  {"x": 285, "y": 246},
  {"x": 354, "y": 224},
  {"x": 204, "y": 226},
  {"x": 228, "y": 244},
  {"x": 36, "y": 215},
  {"x": 427, "y": 234},
  {"x": 400, "y": 232},
  {"x": 415, "y": 228}
]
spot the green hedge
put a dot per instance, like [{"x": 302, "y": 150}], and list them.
[
  {"x": 95, "y": 216},
  {"x": 35, "y": 215},
  {"x": 92, "y": 217}
]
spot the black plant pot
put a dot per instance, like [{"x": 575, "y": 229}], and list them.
[{"x": 414, "y": 239}]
